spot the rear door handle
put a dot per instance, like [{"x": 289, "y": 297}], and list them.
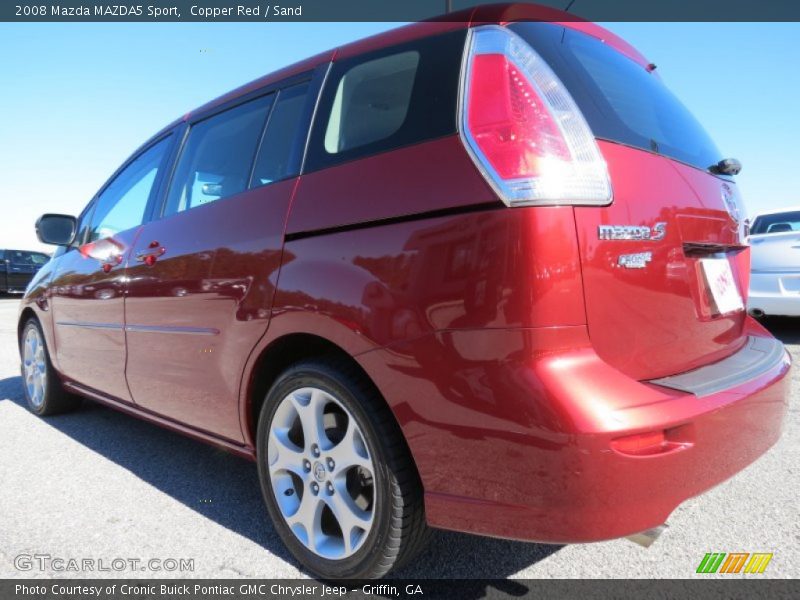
[{"x": 149, "y": 256}]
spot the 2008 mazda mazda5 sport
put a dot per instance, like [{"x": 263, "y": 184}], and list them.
[{"x": 484, "y": 275}]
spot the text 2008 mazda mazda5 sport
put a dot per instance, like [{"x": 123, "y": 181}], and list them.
[{"x": 485, "y": 276}]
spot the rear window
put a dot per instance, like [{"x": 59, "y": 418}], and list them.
[
  {"x": 777, "y": 223},
  {"x": 620, "y": 99},
  {"x": 386, "y": 99}
]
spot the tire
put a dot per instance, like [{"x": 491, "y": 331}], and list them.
[
  {"x": 44, "y": 392},
  {"x": 358, "y": 430}
]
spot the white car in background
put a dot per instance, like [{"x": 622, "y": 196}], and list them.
[{"x": 775, "y": 263}]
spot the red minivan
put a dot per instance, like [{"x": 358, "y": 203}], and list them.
[{"x": 484, "y": 274}]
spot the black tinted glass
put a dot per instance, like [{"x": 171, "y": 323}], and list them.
[
  {"x": 278, "y": 156},
  {"x": 620, "y": 99}
]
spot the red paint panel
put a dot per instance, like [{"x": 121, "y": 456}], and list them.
[
  {"x": 539, "y": 409},
  {"x": 195, "y": 314},
  {"x": 656, "y": 321},
  {"x": 88, "y": 295},
  {"x": 431, "y": 176},
  {"x": 508, "y": 267}
]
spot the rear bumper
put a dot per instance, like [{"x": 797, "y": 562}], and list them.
[
  {"x": 556, "y": 478},
  {"x": 775, "y": 294}
]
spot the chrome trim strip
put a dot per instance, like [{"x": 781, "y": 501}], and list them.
[
  {"x": 758, "y": 356},
  {"x": 143, "y": 328},
  {"x": 89, "y": 325},
  {"x": 171, "y": 329}
]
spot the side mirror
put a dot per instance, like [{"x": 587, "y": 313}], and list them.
[{"x": 58, "y": 230}]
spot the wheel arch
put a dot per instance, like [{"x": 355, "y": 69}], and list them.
[
  {"x": 278, "y": 355},
  {"x": 24, "y": 316}
]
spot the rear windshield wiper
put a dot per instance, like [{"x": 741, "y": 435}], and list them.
[{"x": 727, "y": 166}]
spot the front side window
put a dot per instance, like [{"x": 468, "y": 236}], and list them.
[
  {"x": 218, "y": 156},
  {"x": 84, "y": 220},
  {"x": 122, "y": 204}
]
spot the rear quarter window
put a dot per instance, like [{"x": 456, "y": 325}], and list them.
[{"x": 386, "y": 99}]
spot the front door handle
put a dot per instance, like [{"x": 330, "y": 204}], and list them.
[{"x": 150, "y": 256}]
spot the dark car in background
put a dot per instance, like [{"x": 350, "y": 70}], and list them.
[{"x": 17, "y": 268}]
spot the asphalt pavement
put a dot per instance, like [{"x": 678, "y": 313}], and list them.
[{"x": 105, "y": 487}]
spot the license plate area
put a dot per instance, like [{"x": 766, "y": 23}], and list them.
[{"x": 723, "y": 292}]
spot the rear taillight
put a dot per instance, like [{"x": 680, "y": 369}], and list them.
[{"x": 523, "y": 129}]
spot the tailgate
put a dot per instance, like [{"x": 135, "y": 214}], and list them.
[
  {"x": 649, "y": 307},
  {"x": 651, "y": 258}
]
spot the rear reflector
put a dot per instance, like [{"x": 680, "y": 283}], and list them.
[
  {"x": 660, "y": 441},
  {"x": 641, "y": 443},
  {"x": 523, "y": 129}
]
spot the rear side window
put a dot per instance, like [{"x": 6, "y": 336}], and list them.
[
  {"x": 777, "y": 223},
  {"x": 620, "y": 99},
  {"x": 278, "y": 156},
  {"x": 218, "y": 156},
  {"x": 386, "y": 99},
  {"x": 371, "y": 101}
]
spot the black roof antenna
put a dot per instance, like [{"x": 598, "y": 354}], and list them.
[{"x": 571, "y": 2}]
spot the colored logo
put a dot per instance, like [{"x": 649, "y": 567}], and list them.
[{"x": 734, "y": 562}]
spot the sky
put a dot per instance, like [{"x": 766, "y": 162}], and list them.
[{"x": 77, "y": 98}]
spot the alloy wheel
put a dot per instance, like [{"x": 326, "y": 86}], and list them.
[
  {"x": 322, "y": 473},
  {"x": 35, "y": 366}
]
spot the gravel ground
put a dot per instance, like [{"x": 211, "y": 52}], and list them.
[{"x": 97, "y": 484}]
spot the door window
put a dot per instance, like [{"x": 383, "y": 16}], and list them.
[
  {"x": 218, "y": 156},
  {"x": 20, "y": 258},
  {"x": 277, "y": 158},
  {"x": 122, "y": 204}
]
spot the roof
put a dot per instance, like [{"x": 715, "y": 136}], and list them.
[{"x": 478, "y": 15}]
